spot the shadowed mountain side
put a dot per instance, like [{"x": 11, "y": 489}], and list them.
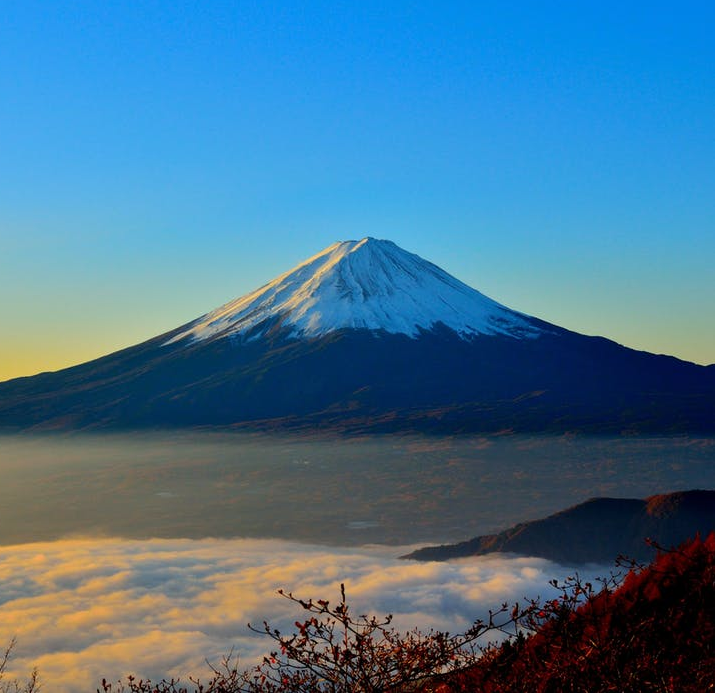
[
  {"x": 358, "y": 380},
  {"x": 596, "y": 531}
]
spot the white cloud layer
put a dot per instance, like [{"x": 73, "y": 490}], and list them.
[{"x": 86, "y": 609}]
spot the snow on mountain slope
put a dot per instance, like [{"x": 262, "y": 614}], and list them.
[{"x": 368, "y": 284}]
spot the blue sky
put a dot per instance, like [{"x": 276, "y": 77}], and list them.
[{"x": 160, "y": 158}]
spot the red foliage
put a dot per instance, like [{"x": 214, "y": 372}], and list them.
[{"x": 655, "y": 632}]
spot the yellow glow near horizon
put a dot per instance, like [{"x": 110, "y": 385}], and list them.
[{"x": 31, "y": 359}]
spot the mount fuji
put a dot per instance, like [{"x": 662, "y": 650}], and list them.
[
  {"x": 362, "y": 285},
  {"x": 365, "y": 336}
]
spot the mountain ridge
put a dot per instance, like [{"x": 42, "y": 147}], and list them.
[
  {"x": 597, "y": 530},
  {"x": 434, "y": 378}
]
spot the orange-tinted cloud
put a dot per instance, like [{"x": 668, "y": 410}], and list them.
[{"x": 87, "y": 609}]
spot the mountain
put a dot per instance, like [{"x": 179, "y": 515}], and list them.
[
  {"x": 365, "y": 336},
  {"x": 597, "y": 531},
  {"x": 361, "y": 285}
]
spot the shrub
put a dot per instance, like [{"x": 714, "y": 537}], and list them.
[
  {"x": 335, "y": 651},
  {"x": 14, "y": 686},
  {"x": 652, "y": 630}
]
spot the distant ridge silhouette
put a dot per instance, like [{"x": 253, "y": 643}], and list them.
[{"x": 596, "y": 531}]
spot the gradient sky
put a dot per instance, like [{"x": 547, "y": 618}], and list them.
[{"x": 158, "y": 158}]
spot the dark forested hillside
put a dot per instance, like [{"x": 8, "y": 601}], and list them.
[{"x": 596, "y": 531}]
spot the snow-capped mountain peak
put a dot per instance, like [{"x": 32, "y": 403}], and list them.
[{"x": 368, "y": 284}]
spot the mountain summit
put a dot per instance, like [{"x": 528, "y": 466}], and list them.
[
  {"x": 365, "y": 336},
  {"x": 369, "y": 284}
]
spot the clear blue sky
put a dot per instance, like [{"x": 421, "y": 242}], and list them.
[{"x": 158, "y": 158}]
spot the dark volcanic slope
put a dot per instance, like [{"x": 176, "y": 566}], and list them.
[
  {"x": 357, "y": 380},
  {"x": 596, "y": 531}
]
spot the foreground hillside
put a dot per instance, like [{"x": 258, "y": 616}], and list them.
[{"x": 656, "y": 632}]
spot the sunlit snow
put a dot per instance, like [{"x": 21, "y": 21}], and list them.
[{"x": 368, "y": 284}]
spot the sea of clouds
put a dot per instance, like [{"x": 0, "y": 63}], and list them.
[{"x": 86, "y": 609}]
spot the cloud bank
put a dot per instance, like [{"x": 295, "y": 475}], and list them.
[{"x": 86, "y": 609}]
